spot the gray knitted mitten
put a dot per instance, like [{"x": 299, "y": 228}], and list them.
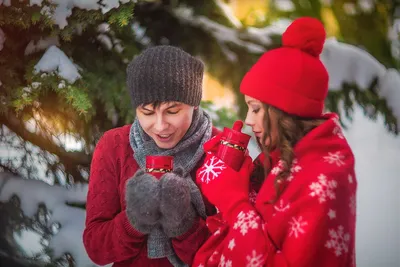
[
  {"x": 177, "y": 213},
  {"x": 143, "y": 201}
]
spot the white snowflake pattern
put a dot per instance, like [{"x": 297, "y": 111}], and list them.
[
  {"x": 323, "y": 189},
  {"x": 212, "y": 258},
  {"x": 335, "y": 158},
  {"x": 224, "y": 263},
  {"x": 353, "y": 204},
  {"x": 338, "y": 241},
  {"x": 338, "y": 128},
  {"x": 231, "y": 244},
  {"x": 278, "y": 168},
  {"x": 293, "y": 169},
  {"x": 201, "y": 265},
  {"x": 332, "y": 214},
  {"x": 253, "y": 197},
  {"x": 211, "y": 169},
  {"x": 254, "y": 260},
  {"x": 217, "y": 232},
  {"x": 246, "y": 221},
  {"x": 297, "y": 226},
  {"x": 350, "y": 178},
  {"x": 281, "y": 206}
]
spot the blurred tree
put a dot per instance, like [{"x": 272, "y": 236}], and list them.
[
  {"x": 365, "y": 24},
  {"x": 39, "y": 108}
]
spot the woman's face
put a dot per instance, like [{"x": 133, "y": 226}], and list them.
[
  {"x": 166, "y": 123},
  {"x": 255, "y": 118}
]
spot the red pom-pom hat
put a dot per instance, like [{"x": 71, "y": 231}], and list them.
[{"x": 292, "y": 78}]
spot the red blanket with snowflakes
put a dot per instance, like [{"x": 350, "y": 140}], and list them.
[{"x": 312, "y": 223}]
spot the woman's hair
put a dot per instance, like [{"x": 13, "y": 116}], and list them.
[{"x": 291, "y": 129}]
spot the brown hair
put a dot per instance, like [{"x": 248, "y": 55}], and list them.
[
  {"x": 155, "y": 104},
  {"x": 291, "y": 129}
]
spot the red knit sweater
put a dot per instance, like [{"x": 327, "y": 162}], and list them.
[
  {"x": 108, "y": 236},
  {"x": 311, "y": 224}
]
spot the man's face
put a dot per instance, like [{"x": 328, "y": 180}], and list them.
[{"x": 166, "y": 123}]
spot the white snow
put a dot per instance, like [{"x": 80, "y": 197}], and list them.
[
  {"x": 68, "y": 141},
  {"x": 377, "y": 154},
  {"x": 348, "y": 63},
  {"x": 42, "y": 44},
  {"x": 224, "y": 35},
  {"x": 105, "y": 40},
  {"x": 64, "y": 8},
  {"x": 108, "y": 39},
  {"x": 71, "y": 219},
  {"x": 263, "y": 35},
  {"x": 55, "y": 60},
  {"x": 228, "y": 13},
  {"x": 285, "y": 5}
]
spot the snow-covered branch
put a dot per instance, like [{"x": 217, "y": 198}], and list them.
[
  {"x": 64, "y": 8},
  {"x": 18, "y": 127},
  {"x": 223, "y": 35},
  {"x": 345, "y": 63},
  {"x": 350, "y": 64},
  {"x": 71, "y": 219},
  {"x": 55, "y": 60}
]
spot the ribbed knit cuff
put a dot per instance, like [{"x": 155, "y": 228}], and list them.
[
  {"x": 193, "y": 229},
  {"x": 128, "y": 226}
]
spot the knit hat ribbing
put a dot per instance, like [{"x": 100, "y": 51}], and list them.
[
  {"x": 165, "y": 73},
  {"x": 292, "y": 78}
]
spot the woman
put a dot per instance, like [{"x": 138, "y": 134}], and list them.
[
  {"x": 133, "y": 219},
  {"x": 298, "y": 206}
]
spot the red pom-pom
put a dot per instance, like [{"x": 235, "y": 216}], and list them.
[{"x": 307, "y": 34}]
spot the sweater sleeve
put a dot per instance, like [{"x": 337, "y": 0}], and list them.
[
  {"x": 188, "y": 244},
  {"x": 108, "y": 236},
  {"x": 320, "y": 231}
]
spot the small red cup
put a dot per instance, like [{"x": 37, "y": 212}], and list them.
[
  {"x": 233, "y": 146},
  {"x": 159, "y": 165}
]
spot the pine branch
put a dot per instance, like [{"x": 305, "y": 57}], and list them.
[{"x": 70, "y": 159}]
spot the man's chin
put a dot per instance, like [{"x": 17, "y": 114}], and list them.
[{"x": 166, "y": 145}]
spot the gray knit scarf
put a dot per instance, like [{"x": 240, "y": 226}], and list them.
[{"x": 187, "y": 153}]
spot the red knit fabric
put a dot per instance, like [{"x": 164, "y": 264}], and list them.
[
  {"x": 108, "y": 236},
  {"x": 292, "y": 78},
  {"x": 312, "y": 223}
]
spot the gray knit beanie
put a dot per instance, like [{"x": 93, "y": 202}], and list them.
[{"x": 165, "y": 73}]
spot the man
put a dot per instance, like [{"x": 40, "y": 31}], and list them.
[{"x": 134, "y": 219}]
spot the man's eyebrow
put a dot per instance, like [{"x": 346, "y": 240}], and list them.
[
  {"x": 146, "y": 109},
  {"x": 174, "y": 105}
]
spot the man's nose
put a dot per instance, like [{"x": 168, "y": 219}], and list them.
[{"x": 161, "y": 124}]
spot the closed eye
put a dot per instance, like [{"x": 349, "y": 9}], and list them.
[{"x": 172, "y": 112}]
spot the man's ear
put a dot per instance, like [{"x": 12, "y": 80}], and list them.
[{"x": 196, "y": 107}]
